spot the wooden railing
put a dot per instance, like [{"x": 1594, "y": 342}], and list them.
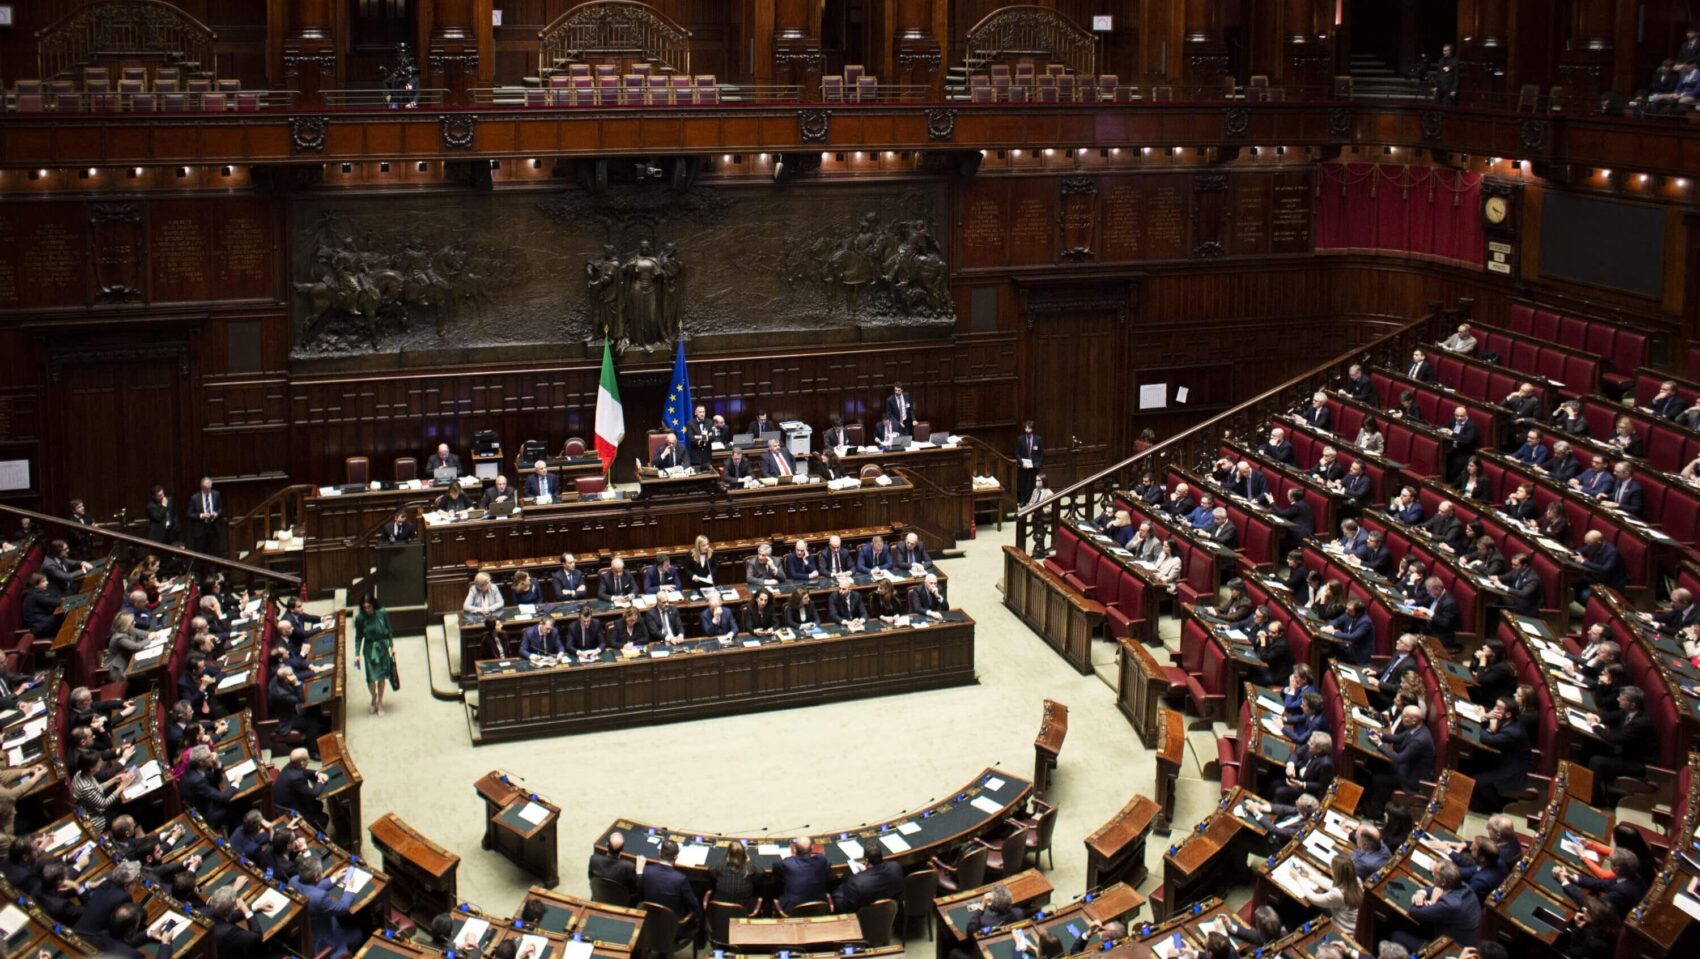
[
  {"x": 614, "y": 29},
  {"x": 1199, "y": 444},
  {"x": 942, "y": 514},
  {"x": 120, "y": 30},
  {"x": 131, "y": 548},
  {"x": 1027, "y": 30},
  {"x": 283, "y": 509}
]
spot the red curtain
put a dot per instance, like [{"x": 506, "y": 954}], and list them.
[{"x": 1423, "y": 212}]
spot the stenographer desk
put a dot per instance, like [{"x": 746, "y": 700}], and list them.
[
  {"x": 977, "y": 809},
  {"x": 636, "y": 527},
  {"x": 700, "y": 677}
]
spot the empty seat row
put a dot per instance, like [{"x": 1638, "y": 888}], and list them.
[
  {"x": 628, "y": 91},
  {"x": 1416, "y": 448},
  {"x": 1574, "y": 372},
  {"x": 1129, "y": 599},
  {"x": 1482, "y": 381},
  {"x": 1622, "y": 348}
]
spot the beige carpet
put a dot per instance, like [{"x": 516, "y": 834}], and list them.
[{"x": 780, "y": 772}]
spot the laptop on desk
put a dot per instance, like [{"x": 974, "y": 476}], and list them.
[
  {"x": 501, "y": 508},
  {"x": 744, "y": 440},
  {"x": 444, "y": 475},
  {"x": 900, "y": 442},
  {"x": 772, "y": 435}
]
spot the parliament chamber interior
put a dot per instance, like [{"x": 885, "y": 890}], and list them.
[{"x": 536, "y": 479}]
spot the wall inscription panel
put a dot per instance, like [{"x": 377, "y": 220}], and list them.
[
  {"x": 1292, "y": 211},
  {"x": 51, "y": 253}
]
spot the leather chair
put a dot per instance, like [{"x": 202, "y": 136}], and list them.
[
  {"x": 608, "y": 892},
  {"x": 660, "y": 933},
  {"x": 720, "y": 916},
  {"x": 1040, "y": 829},
  {"x": 878, "y": 919},
  {"x": 657, "y": 440},
  {"x": 406, "y": 468},
  {"x": 1006, "y": 856},
  {"x": 923, "y": 431},
  {"x": 359, "y": 470},
  {"x": 590, "y": 484},
  {"x": 969, "y": 871},
  {"x": 574, "y": 446},
  {"x": 871, "y": 470},
  {"x": 920, "y": 888},
  {"x": 855, "y": 433}
]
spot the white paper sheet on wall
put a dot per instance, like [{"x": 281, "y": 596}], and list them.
[{"x": 1153, "y": 396}]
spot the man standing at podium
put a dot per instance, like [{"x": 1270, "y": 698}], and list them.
[{"x": 398, "y": 530}]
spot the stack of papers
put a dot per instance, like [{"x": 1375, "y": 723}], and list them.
[
  {"x": 355, "y": 879},
  {"x": 270, "y": 903},
  {"x": 990, "y": 807},
  {"x": 894, "y": 843},
  {"x": 472, "y": 933},
  {"x": 241, "y": 771},
  {"x": 694, "y": 854},
  {"x": 533, "y": 813},
  {"x": 149, "y": 780}
]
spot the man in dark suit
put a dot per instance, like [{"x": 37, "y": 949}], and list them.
[
  {"x": 499, "y": 492},
  {"x": 670, "y": 455},
  {"x": 104, "y": 899},
  {"x": 663, "y": 574},
  {"x": 1562, "y": 465},
  {"x": 206, "y": 508},
  {"x": 615, "y": 581},
  {"x": 41, "y": 614},
  {"x": 1596, "y": 480},
  {"x": 79, "y": 537},
  {"x": 835, "y": 559},
  {"x": 612, "y": 866},
  {"x": 541, "y": 639},
  {"x": 718, "y": 622},
  {"x": 845, "y": 605},
  {"x": 900, "y": 408},
  {"x": 1466, "y": 439},
  {"x": 1410, "y": 748},
  {"x": 1666, "y": 403},
  {"x": 1354, "y": 630},
  {"x": 1602, "y": 563},
  {"x": 777, "y": 461},
  {"x": 1300, "y": 514},
  {"x": 909, "y": 553},
  {"x": 1376, "y": 557},
  {"x": 1533, "y": 452},
  {"x": 162, "y": 517},
  {"x": 1682, "y": 612},
  {"x": 664, "y": 622},
  {"x": 298, "y": 788},
  {"x": 873, "y": 555},
  {"x": 878, "y": 880},
  {"x": 398, "y": 530},
  {"x": 1445, "y": 527},
  {"x": 1629, "y": 738},
  {"x": 1624, "y": 889},
  {"x": 584, "y": 633},
  {"x": 124, "y": 936},
  {"x": 1311, "y": 770},
  {"x": 802, "y": 876},
  {"x": 1359, "y": 386},
  {"x": 1180, "y": 503},
  {"x": 1221, "y": 529},
  {"x": 1420, "y": 369},
  {"x": 835, "y": 436},
  {"x": 1029, "y": 459},
  {"x": 886, "y": 432},
  {"x": 763, "y": 424},
  {"x": 1250, "y": 482},
  {"x": 1277, "y": 447},
  {"x": 542, "y": 483},
  {"x": 926, "y": 600},
  {"x": 664, "y": 885},
  {"x": 1449, "y": 909},
  {"x": 1525, "y": 587},
  {"x": 1523, "y": 402},
  {"x": 1625, "y": 492},
  {"x": 736, "y": 469},
  {"x": 1316, "y": 414},
  {"x": 568, "y": 579},
  {"x": 1444, "y": 617},
  {"x": 441, "y": 458},
  {"x": 63, "y": 573},
  {"x": 205, "y": 789},
  {"x": 700, "y": 436},
  {"x": 1446, "y": 92}
]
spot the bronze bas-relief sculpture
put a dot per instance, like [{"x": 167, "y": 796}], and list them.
[{"x": 635, "y": 302}]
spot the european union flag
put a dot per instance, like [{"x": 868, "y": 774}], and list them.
[{"x": 679, "y": 407}]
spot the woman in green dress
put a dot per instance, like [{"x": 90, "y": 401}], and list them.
[{"x": 373, "y": 643}]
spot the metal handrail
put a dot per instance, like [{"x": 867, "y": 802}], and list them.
[
  {"x": 1186, "y": 447},
  {"x": 175, "y": 102},
  {"x": 370, "y": 98}
]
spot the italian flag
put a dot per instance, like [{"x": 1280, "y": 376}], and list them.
[{"x": 610, "y": 415}]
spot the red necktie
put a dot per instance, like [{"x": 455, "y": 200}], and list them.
[{"x": 784, "y": 467}]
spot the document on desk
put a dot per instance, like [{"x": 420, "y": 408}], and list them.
[
  {"x": 894, "y": 843},
  {"x": 1169, "y": 948},
  {"x": 1424, "y": 861},
  {"x": 1683, "y": 900},
  {"x": 1271, "y": 724},
  {"x": 1320, "y": 846},
  {"x": 1554, "y": 657},
  {"x": 994, "y": 784},
  {"x": 355, "y": 880},
  {"x": 1578, "y": 719},
  {"x": 527, "y": 610},
  {"x": 909, "y": 828},
  {"x": 533, "y": 813},
  {"x": 472, "y": 933},
  {"x": 270, "y": 903},
  {"x": 64, "y": 836},
  {"x": 728, "y": 594},
  {"x": 12, "y": 919},
  {"x": 1470, "y": 711},
  {"x": 579, "y": 949},
  {"x": 177, "y": 921},
  {"x": 1289, "y": 877},
  {"x": 1270, "y": 703},
  {"x": 148, "y": 654},
  {"x": 851, "y": 848},
  {"x": 234, "y": 679},
  {"x": 149, "y": 779},
  {"x": 990, "y": 807},
  {"x": 241, "y": 771},
  {"x": 533, "y": 947},
  {"x": 694, "y": 855}
]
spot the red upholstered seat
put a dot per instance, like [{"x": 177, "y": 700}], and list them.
[
  {"x": 1522, "y": 316},
  {"x": 1061, "y": 561}
]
